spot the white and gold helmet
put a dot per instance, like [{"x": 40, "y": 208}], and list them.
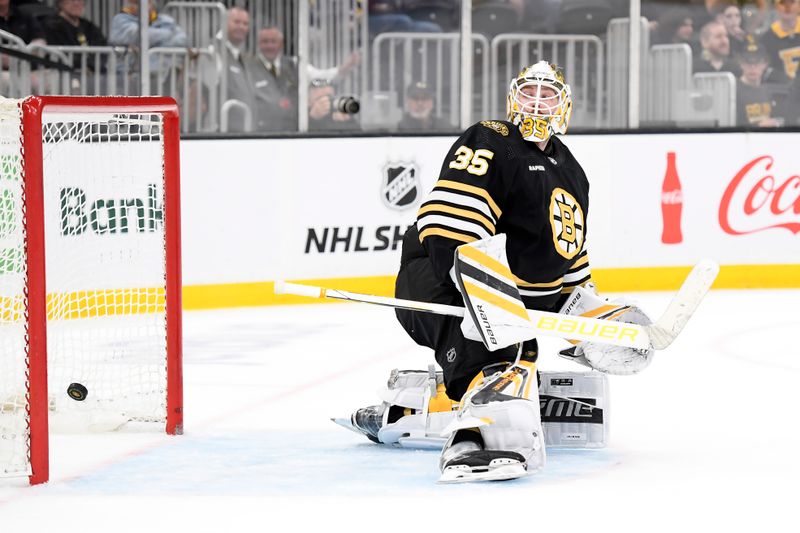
[{"x": 539, "y": 102}]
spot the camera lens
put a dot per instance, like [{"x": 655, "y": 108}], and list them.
[{"x": 346, "y": 104}]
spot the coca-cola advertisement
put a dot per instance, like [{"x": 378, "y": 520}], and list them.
[
  {"x": 671, "y": 204},
  {"x": 760, "y": 199},
  {"x": 735, "y": 198},
  {"x": 671, "y": 200}
]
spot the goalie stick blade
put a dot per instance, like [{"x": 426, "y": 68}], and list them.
[
  {"x": 490, "y": 293},
  {"x": 683, "y": 305}
]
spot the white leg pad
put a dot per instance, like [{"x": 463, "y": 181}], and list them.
[{"x": 505, "y": 410}]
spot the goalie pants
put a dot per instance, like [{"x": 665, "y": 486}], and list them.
[{"x": 461, "y": 359}]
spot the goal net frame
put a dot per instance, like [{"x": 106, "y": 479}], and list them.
[{"x": 33, "y": 110}]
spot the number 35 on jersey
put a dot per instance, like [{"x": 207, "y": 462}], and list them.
[{"x": 475, "y": 162}]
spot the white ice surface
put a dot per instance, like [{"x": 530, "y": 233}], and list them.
[{"x": 707, "y": 438}]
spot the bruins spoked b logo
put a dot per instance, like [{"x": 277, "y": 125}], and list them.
[
  {"x": 400, "y": 185},
  {"x": 566, "y": 219}
]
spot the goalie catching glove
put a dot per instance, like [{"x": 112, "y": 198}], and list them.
[{"x": 607, "y": 358}]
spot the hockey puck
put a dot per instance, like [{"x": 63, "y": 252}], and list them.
[{"x": 77, "y": 392}]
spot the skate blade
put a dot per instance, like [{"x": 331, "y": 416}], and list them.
[
  {"x": 498, "y": 473},
  {"x": 347, "y": 424}
]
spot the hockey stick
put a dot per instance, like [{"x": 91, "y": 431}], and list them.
[
  {"x": 683, "y": 305},
  {"x": 541, "y": 322},
  {"x": 497, "y": 310},
  {"x": 659, "y": 335}
]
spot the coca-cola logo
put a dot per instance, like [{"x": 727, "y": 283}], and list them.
[
  {"x": 672, "y": 197},
  {"x": 755, "y": 200}
]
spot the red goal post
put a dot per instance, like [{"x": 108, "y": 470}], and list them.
[{"x": 90, "y": 270}]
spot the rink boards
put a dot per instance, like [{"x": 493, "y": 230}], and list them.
[{"x": 333, "y": 210}]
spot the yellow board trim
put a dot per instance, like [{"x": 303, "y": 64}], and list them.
[
  {"x": 255, "y": 294},
  {"x": 90, "y": 304},
  {"x": 670, "y": 278}
]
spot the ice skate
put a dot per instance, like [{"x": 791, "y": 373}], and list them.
[{"x": 484, "y": 465}]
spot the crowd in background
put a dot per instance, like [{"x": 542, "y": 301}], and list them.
[{"x": 758, "y": 42}]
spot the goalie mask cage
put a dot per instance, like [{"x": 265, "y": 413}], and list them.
[{"x": 89, "y": 271}]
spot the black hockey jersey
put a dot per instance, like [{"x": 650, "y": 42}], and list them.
[{"x": 493, "y": 181}]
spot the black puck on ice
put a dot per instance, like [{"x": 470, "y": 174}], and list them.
[{"x": 77, "y": 392}]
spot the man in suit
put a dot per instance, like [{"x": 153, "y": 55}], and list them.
[{"x": 275, "y": 78}]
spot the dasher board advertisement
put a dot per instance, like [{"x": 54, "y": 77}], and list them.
[
  {"x": 666, "y": 200},
  {"x": 265, "y": 209}
]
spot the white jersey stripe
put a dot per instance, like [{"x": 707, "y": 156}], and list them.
[
  {"x": 462, "y": 199},
  {"x": 453, "y": 223}
]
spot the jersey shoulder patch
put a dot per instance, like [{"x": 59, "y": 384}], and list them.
[{"x": 499, "y": 127}]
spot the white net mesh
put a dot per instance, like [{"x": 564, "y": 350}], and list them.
[
  {"x": 14, "y": 442},
  {"x": 105, "y": 274},
  {"x": 104, "y": 191}
]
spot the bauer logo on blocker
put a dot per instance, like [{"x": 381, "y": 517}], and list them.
[{"x": 400, "y": 185}]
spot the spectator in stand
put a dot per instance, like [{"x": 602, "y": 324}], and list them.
[
  {"x": 276, "y": 79},
  {"x": 418, "y": 115},
  {"x": 321, "y": 114},
  {"x": 782, "y": 41},
  {"x": 728, "y": 13},
  {"x": 716, "y": 49},
  {"x": 386, "y": 16},
  {"x": 755, "y": 104},
  {"x": 675, "y": 26},
  {"x": 754, "y": 16},
  {"x": 240, "y": 111},
  {"x": 24, "y": 26},
  {"x": 162, "y": 32},
  {"x": 69, "y": 28}
]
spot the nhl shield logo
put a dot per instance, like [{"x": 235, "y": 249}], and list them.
[{"x": 400, "y": 185}]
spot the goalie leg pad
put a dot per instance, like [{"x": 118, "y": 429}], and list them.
[
  {"x": 414, "y": 411},
  {"x": 504, "y": 411}
]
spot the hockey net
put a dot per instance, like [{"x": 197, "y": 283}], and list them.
[{"x": 97, "y": 180}]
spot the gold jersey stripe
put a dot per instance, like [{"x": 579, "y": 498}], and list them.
[
  {"x": 489, "y": 262},
  {"x": 550, "y": 285},
  {"x": 446, "y": 233},
  {"x": 579, "y": 263},
  {"x": 488, "y": 224},
  {"x": 449, "y": 184},
  {"x": 515, "y": 308}
]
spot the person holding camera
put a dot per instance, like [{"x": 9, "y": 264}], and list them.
[
  {"x": 326, "y": 112},
  {"x": 275, "y": 78}
]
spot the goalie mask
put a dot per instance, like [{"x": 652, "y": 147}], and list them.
[{"x": 539, "y": 102}]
